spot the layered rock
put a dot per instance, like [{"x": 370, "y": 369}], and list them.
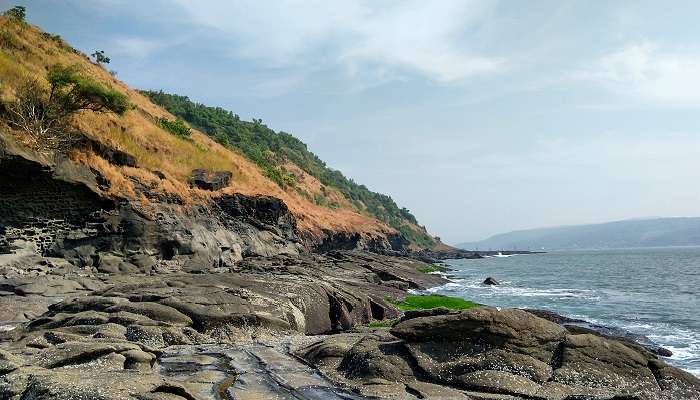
[{"x": 496, "y": 354}]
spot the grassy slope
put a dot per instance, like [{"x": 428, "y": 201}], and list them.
[
  {"x": 27, "y": 52},
  {"x": 274, "y": 151}
]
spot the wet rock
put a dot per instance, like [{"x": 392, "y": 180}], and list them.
[{"x": 490, "y": 281}]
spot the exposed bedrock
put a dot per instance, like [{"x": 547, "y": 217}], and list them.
[
  {"x": 55, "y": 208},
  {"x": 496, "y": 354}
]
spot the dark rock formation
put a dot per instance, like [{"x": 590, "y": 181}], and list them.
[
  {"x": 210, "y": 180},
  {"x": 490, "y": 281},
  {"x": 580, "y": 326},
  {"x": 486, "y": 353}
]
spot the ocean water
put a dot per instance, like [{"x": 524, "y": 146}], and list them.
[{"x": 653, "y": 292}]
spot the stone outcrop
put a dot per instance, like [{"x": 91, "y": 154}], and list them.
[
  {"x": 210, "y": 180},
  {"x": 75, "y": 331},
  {"x": 496, "y": 354}
]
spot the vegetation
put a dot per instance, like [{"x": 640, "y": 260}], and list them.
[
  {"x": 270, "y": 150},
  {"x": 432, "y": 301},
  {"x": 177, "y": 127},
  {"x": 385, "y": 323},
  {"x": 45, "y": 114},
  {"x": 432, "y": 268},
  {"x": 17, "y": 13},
  {"x": 7, "y": 40},
  {"x": 100, "y": 58}
]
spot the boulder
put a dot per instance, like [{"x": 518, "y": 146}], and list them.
[
  {"x": 210, "y": 180},
  {"x": 488, "y": 328},
  {"x": 590, "y": 360},
  {"x": 491, "y": 281}
]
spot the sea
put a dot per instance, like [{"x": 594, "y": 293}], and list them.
[{"x": 653, "y": 291}]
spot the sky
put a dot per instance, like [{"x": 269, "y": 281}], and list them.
[{"x": 479, "y": 116}]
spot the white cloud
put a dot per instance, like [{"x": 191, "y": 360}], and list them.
[
  {"x": 136, "y": 47},
  {"x": 388, "y": 38},
  {"x": 646, "y": 72}
]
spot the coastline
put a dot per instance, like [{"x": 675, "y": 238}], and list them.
[
  {"x": 627, "y": 303},
  {"x": 212, "y": 335}
]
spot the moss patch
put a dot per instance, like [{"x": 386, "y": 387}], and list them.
[
  {"x": 387, "y": 323},
  {"x": 432, "y": 268},
  {"x": 433, "y": 301}
]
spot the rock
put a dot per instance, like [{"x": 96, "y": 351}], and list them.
[
  {"x": 112, "y": 264},
  {"x": 8, "y": 362},
  {"x": 411, "y": 314},
  {"x": 487, "y": 327},
  {"x": 376, "y": 357},
  {"x": 71, "y": 353},
  {"x": 490, "y": 281},
  {"x": 498, "y": 382},
  {"x": 138, "y": 360},
  {"x": 210, "y": 180},
  {"x": 154, "y": 311},
  {"x": 589, "y": 360}
]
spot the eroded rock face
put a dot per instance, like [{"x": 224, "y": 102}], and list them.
[
  {"x": 93, "y": 329},
  {"x": 499, "y": 354},
  {"x": 210, "y": 180}
]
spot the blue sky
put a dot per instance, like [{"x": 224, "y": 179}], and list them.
[{"x": 479, "y": 116}]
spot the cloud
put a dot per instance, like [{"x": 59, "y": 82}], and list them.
[
  {"x": 386, "y": 39},
  {"x": 646, "y": 72},
  {"x": 136, "y": 47}
]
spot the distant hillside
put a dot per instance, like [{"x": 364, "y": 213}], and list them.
[{"x": 657, "y": 232}]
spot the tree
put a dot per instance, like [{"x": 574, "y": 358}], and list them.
[
  {"x": 100, "y": 58},
  {"x": 45, "y": 115},
  {"x": 17, "y": 13}
]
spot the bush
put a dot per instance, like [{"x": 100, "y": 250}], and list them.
[
  {"x": 176, "y": 127},
  {"x": 7, "y": 40},
  {"x": 45, "y": 115},
  {"x": 17, "y": 13},
  {"x": 432, "y": 268}
]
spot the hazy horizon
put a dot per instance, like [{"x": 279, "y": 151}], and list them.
[
  {"x": 481, "y": 117},
  {"x": 536, "y": 228}
]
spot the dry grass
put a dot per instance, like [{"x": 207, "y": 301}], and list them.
[{"x": 157, "y": 150}]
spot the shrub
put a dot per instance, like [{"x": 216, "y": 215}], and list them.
[
  {"x": 45, "y": 115},
  {"x": 7, "y": 40},
  {"x": 176, "y": 127},
  {"x": 432, "y": 268},
  {"x": 75, "y": 92},
  {"x": 17, "y": 13},
  {"x": 100, "y": 57}
]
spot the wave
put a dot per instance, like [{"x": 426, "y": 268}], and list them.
[
  {"x": 457, "y": 285},
  {"x": 683, "y": 343}
]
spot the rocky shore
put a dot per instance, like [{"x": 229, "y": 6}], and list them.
[{"x": 104, "y": 298}]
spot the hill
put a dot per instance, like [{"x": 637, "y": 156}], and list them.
[
  {"x": 656, "y": 232},
  {"x": 165, "y": 151}
]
